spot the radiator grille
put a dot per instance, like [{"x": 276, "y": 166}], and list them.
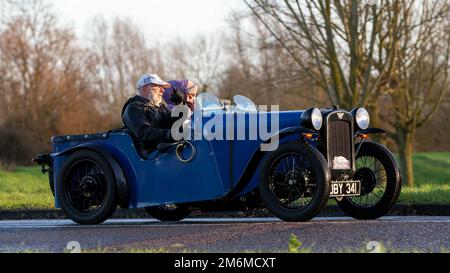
[{"x": 340, "y": 143}]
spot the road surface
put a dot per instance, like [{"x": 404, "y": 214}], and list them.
[{"x": 425, "y": 234}]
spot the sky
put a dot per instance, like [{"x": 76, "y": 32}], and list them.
[{"x": 166, "y": 18}]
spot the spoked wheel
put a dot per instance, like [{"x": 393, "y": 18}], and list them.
[
  {"x": 169, "y": 213},
  {"x": 87, "y": 189},
  {"x": 381, "y": 185},
  {"x": 295, "y": 183}
]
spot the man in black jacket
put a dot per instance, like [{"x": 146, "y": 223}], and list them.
[{"x": 146, "y": 116}]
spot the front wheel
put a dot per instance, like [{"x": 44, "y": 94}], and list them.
[
  {"x": 295, "y": 182},
  {"x": 381, "y": 185},
  {"x": 169, "y": 213}
]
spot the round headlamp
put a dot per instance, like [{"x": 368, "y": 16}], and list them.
[
  {"x": 312, "y": 118},
  {"x": 316, "y": 119},
  {"x": 362, "y": 118}
]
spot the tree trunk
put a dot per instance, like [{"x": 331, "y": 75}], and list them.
[{"x": 405, "y": 143}]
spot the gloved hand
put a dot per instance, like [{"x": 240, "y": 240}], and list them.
[
  {"x": 177, "y": 97},
  {"x": 168, "y": 137}
]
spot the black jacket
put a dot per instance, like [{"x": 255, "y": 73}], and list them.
[{"x": 148, "y": 125}]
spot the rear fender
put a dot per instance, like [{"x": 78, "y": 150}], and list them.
[{"x": 121, "y": 182}]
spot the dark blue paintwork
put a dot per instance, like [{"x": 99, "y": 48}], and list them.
[{"x": 217, "y": 169}]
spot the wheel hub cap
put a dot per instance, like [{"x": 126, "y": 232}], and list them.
[
  {"x": 88, "y": 186},
  {"x": 368, "y": 180},
  {"x": 296, "y": 178}
]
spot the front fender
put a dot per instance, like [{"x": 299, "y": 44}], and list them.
[
  {"x": 274, "y": 141},
  {"x": 293, "y": 130},
  {"x": 372, "y": 131},
  {"x": 247, "y": 182},
  {"x": 121, "y": 183}
]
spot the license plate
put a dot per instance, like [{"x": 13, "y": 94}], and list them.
[{"x": 345, "y": 188}]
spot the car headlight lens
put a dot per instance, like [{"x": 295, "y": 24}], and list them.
[
  {"x": 362, "y": 118},
  {"x": 316, "y": 119}
]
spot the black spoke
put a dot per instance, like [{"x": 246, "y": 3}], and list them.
[
  {"x": 86, "y": 187},
  {"x": 289, "y": 181},
  {"x": 377, "y": 195},
  {"x": 374, "y": 162},
  {"x": 373, "y": 179}
]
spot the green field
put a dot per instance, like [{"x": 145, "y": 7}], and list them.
[
  {"x": 432, "y": 179},
  {"x": 27, "y": 188}
]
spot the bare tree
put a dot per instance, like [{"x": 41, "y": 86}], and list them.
[
  {"x": 31, "y": 48},
  {"x": 42, "y": 74},
  {"x": 122, "y": 55},
  {"x": 262, "y": 69},
  {"x": 199, "y": 59},
  {"x": 422, "y": 71},
  {"x": 350, "y": 43},
  {"x": 438, "y": 140}
]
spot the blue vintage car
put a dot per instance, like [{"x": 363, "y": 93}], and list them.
[{"x": 316, "y": 154}]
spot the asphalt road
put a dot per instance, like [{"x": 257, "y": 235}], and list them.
[{"x": 426, "y": 234}]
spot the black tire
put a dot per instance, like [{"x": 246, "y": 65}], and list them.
[
  {"x": 51, "y": 182},
  {"x": 382, "y": 175},
  {"x": 169, "y": 213},
  {"x": 87, "y": 188},
  {"x": 312, "y": 173}
]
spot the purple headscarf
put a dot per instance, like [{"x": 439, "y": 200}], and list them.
[{"x": 180, "y": 85}]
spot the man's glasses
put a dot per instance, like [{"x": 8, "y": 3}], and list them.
[{"x": 156, "y": 87}]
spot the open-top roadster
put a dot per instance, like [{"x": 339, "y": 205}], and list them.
[{"x": 318, "y": 154}]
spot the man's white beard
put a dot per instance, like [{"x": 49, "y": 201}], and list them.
[{"x": 155, "y": 99}]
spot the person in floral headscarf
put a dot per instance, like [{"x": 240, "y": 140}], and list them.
[{"x": 181, "y": 92}]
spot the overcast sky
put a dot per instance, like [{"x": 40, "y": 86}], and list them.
[{"x": 165, "y": 18}]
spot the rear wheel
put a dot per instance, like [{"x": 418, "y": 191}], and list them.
[
  {"x": 295, "y": 182},
  {"x": 87, "y": 188},
  {"x": 381, "y": 185},
  {"x": 169, "y": 213}
]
